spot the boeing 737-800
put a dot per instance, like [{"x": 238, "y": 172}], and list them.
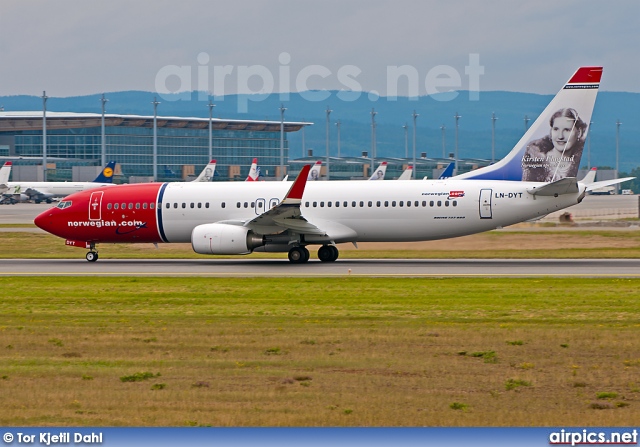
[{"x": 241, "y": 217}]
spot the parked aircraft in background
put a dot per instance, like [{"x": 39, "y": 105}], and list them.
[
  {"x": 47, "y": 191},
  {"x": 241, "y": 217},
  {"x": 406, "y": 174},
  {"x": 379, "y": 173},
  {"x": 448, "y": 171},
  {"x": 5, "y": 172},
  {"x": 314, "y": 172},
  {"x": 254, "y": 172},
  {"x": 207, "y": 173}
]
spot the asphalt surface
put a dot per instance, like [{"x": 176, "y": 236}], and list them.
[{"x": 360, "y": 267}]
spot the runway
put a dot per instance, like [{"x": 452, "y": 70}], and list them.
[{"x": 619, "y": 268}]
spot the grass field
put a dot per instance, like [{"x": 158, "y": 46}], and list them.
[
  {"x": 537, "y": 243},
  {"x": 319, "y": 352}
]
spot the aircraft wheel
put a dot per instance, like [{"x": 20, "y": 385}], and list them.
[
  {"x": 296, "y": 255},
  {"x": 92, "y": 256},
  {"x": 306, "y": 254},
  {"x": 327, "y": 253}
]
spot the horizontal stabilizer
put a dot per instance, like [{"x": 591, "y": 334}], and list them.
[
  {"x": 603, "y": 183},
  {"x": 568, "y": 185}
]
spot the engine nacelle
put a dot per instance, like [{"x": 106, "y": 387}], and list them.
[{"x": 223, "y": 239}]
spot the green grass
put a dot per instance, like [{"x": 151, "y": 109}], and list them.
[
  {"x": 613, "y": 244},
  {"x": 317, "y": 352}
]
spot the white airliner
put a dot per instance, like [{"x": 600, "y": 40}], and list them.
[
  {"x": 223, "y": 218},
  {"x": 47, "y": 191},
  {"x": 207, "y": 173}
]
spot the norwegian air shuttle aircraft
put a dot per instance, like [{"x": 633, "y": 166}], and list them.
[
  {"x": 223, "y": 218},
  {"x": 254, "y": 172}
]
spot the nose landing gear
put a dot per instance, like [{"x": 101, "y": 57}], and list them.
[{"x": 92, "y": 255}]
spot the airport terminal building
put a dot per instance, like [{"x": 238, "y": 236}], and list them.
[{"x": 75, "y": 140}]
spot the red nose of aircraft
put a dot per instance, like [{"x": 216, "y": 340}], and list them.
[{"x": 45, "y": 220}]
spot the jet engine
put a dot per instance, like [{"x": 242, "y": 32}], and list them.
[{"x": 224, "y": 239}]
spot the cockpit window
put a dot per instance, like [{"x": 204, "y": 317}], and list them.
[{"x": 64, "y": 204}]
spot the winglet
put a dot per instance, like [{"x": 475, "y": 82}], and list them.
[{"x": 294, "y": 196}]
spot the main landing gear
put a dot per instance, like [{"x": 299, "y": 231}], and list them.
[{"x": 300, "y": 254}]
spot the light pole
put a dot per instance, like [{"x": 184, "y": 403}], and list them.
[
  {"x": 304, "y": 146},
  {"x": 455, "y": 166},
  {"x": 103, "y": 152},
  {"x": 44, "y": 135},
  {"x": 373, "y": 138},
  {"x": 415, "y": 168},
  {"x": 328, "y": 122},
  {"x": 406, "y": 140},
  {"x": 211, "y": 105},
  {"x": 155, "y": 139},
  {"x": 589, "y": 146},
  {"x": 444, "y": 146},
  {"x": 493, "y": 137},
  {"x": 617, "y": 151},
  {"x": 338, "y": 124},
  {"x": 282, "y": 109}
]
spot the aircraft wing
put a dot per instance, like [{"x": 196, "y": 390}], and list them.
[{"x": 286, "y": 215}]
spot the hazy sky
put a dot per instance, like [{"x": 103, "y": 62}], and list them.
[{"x": 78, "y": 47}]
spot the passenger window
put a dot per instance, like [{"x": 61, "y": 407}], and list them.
[
  {"x": 361, "y": 204},
  {"x": 446, "y": 203},
  {"x": 337, "y": 204},
  {"x": 206, "y": 205},
  {"x": 329, "y": 204},
  {"x": 386, "y": 203},
  {"x": 321, "y": 204},
  {"x": 253, "y": 205},
  {"x": 222, "y": 204},
  {"x": 315, "y": 204},
  {"x": 393, "y": 204},
  {"x": 175, "y": 205},
  {"x": 116, "y": 206},
  {"x": 184, "y": 205},
  {"x": 199, "y": 205},
  {"x": 123, "y": 206},
  {"x": 345, "y": 204},
  {"x": 108, "y": 206},
  {"x": 455, "y": 203},
  {"x": 238, "y": 204},
  {"x": 431, "y": 203},
  {"x": 401, "y": 203},
  {"x": 144, "y": 206},
  {"x": 424, "y": 203},
  {"x": 137, "y": 206},
  {"x": 408, "y": 203},
  {"x": 246, "y": 205},
  {"x": 439, "y": 203},
  {"x": 151, "y": 205},
  {"x": 192, "y": 205},
  {"x": 353, "y": 204},
  {"x": 417, "y": 204},
  {"x": 131, "y": 206},
  {"x": 306, "y": 204}
]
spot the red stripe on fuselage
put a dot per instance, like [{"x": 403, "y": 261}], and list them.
[{"x": 136, "y": 222}]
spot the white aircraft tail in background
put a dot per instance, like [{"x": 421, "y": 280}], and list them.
[
  {"x": 314, "y": 173},
  {"x": 5, "y": 171},
  {"x": 406, "y": 174},
  {"x": 379, "y": 173},
  {"x": 254, "y": 172},
  {"x": 207, "y": 173}
]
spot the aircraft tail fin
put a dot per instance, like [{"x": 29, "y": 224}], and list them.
[
  {"x": 552, "y": 147},
  {"x": 379, "y": 173},
  {"x": 253, "y": 172},
  {"x": 590, "y": 177},
  {"x": 207, "y": 173},
  {"x": 448, "y": 171},
  {"x": 314, "y": 172},
  {"x": 106, "y": 176},
  {"x": 5, "y": 171},
  {"x": 406, "y": 174}
]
